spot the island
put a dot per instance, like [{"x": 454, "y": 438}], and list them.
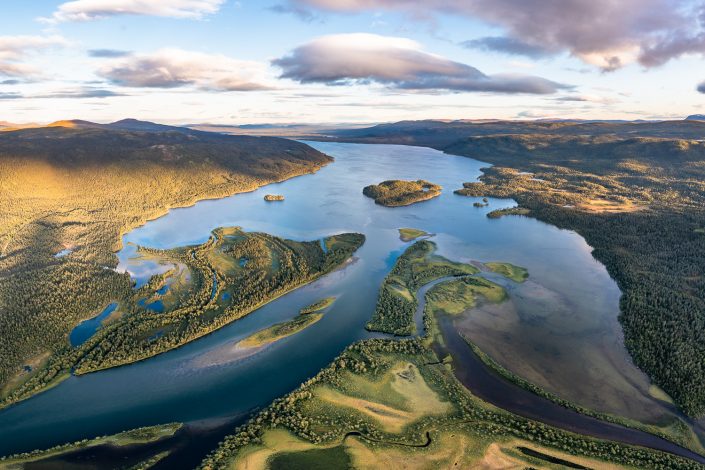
[
  {"x": 273, "y": 197},
  {"x": 136, "y": 438},
  {"x": 411, "y": 234},
  {"x": 395, "y": 193},
  {"x": 508, "y": 270},
  {"x": 485, "y": 202},
  {"x": 219, "y": 289},
  {"x": 318, "y": 306},
  {"x": 396, "y": 304},
  {"x": 279, "y": 331}
]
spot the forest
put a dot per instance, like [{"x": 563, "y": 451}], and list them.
[
  {"x": 634, "y": 190},
  {"x": 396, "y": 303},
  {"x": 79, "y": 189},
  {"x": 395, "y": 193},
  {"x": 640, "y": 207},
  {"x": 274, "y": 267}
]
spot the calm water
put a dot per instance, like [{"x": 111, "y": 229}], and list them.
[
  {"x": 87, "y": 328},
  {"x": 569, "y": 296}
]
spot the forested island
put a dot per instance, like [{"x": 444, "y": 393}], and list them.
[
  {"x": 394, "y": 193},
  {"x": 274, "y": 267},
  {"x": 396, "y": 304},
  {"x": 273, "y": 197}
]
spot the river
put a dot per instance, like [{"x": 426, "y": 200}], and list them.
[{"x": 569, "y": 296}]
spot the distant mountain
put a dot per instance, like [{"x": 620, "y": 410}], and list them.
[
  {"x": 75, "y": 124},
  {"x": 74, "y": 142},
  {"x": 696, "y": 117},
  {"x": 124, "y": 124},
  {"x": 145, "y": 126},
  {"x": 440, "y": 134}
]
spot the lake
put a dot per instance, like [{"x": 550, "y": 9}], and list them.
[{"x": 559, "y": 329}]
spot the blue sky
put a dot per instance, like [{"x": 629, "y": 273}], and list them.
[{"x": 226, "y": 61}]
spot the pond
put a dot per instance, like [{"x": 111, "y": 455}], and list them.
[{"x": 87, "y": 328}]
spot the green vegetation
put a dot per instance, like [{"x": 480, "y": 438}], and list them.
[
  {"x": 411, "y": 234},
  {"x": 637, "y": 203},
  {"x": 280, "y": 331},
  {"x": 273, "y": 197},
  {"x": 318, "y": 306},
  {"x": 497, "y": 213},
  {"x": 135, "y": 436},
  {"x": 456, "y": 296},
  {"x": 508, "y": 270},
  {"x": 387, "y": 403},
  {"x": 274, "y": 267},
  {"x": 393, "y": 193},
  {"x": 313, "y": 459},
  {"x": 397, "y": 302},
  {"x": 634, "y": 191},
  {"x": 82, "y": 188}
]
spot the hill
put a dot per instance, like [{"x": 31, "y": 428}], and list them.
[
  {"x": 75, "y": 188},
  {"x": 440, "y": 134}
]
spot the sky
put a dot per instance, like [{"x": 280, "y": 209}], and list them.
[{"x": 350, "y": 61}]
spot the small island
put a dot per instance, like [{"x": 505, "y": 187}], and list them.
[
  {"x": 318, "y": 306},
  {"x": 395, "y": 193},
  {"x": 485, "y": 202},
  {"x": 280, "y": 331},
  {"x": 508, "y": 270},
  {"x": 273, "y": 197},
  {"x": 411, "y": 234}
]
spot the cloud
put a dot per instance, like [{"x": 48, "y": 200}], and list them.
[
  {"x": 605, "y": 33},
  {"x": 72, "y": 93},
  {"x": 396, "y": 62},
  {"x": 14, "y": 49},
  {"x": 108, "y": 53},
  {"x": 586, "y": 99},
  {"x": 10, "y": 96},
  {"x": 174, "y": 68},
  {"x": 701, "y": 87},
  {"x": 88, "y": 10},
  {"x": 507, "y": 45},
  {"x": 303, "y": 13},
  {"x": 83, "y": 92}
]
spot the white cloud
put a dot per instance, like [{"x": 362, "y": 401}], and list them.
[
  {"x": 15, "y": 49},
  {"x": 173, "y": 68},
  {"x": 396, "y": 62},
  {"x": 88, "y": 10},
  {"x": 605, "y": 33}
]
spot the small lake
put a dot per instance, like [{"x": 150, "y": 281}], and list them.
[
  {"x": 559, "y": 329},
  {"x": 87, "y": 328}
]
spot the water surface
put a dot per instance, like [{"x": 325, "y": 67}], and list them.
[
  {"x": 87, "y": 328},
  {"x": 568, "y": 310}
]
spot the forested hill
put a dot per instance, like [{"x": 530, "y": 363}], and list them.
[
  {"x": 138, "y": 141},
  {"x": 634, "y": 190},
  {"x": 440, "y": 134},
  {"x": 75, "y": 187}
]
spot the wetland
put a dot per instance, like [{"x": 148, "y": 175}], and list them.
[{"x": 557, "y": 328}]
